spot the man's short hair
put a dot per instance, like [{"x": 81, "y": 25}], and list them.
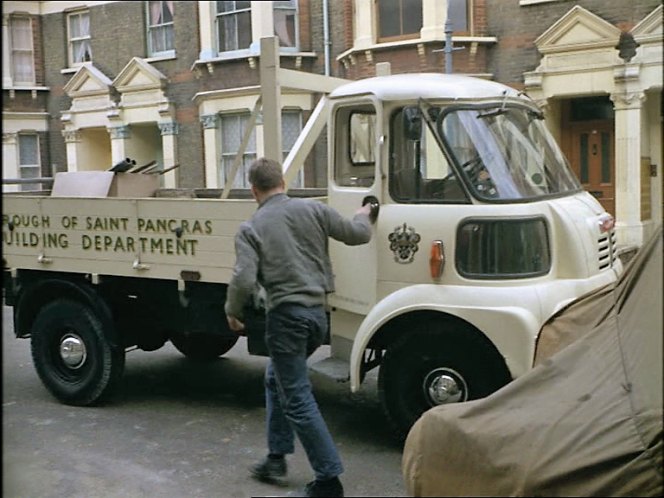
[{"x": 265, "y": 174}]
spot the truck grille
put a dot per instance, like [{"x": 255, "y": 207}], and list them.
[{"x": 606, "y": 246}]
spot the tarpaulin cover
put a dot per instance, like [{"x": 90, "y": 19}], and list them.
[{"x": 586, "y": 421}]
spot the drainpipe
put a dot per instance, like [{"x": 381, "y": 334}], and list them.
[{"x": 326, "y": 37}]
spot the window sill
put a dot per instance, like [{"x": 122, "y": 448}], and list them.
[
  {"x": 250, "y": 57},
  {"x": 169, "y": 56},
  {"x": 533, "y": 2},
  {"x": 414, "y": 42},
  {"x": 32, "y": 89}
]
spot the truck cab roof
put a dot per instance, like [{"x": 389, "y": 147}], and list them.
[{"x": 424, "y": 85}]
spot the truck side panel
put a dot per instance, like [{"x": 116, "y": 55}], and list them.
[{"x": 148, "y": 238}]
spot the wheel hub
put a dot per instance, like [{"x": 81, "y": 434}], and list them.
[
  {"x": 72, "y": 351},
  {"x": 444, "y": 385}
]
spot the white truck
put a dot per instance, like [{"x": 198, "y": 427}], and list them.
[{"x": 482, "y": 234}]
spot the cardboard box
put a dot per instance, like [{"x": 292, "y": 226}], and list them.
[{"x": 104, "y": 184}]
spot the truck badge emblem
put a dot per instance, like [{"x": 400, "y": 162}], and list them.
[{"x": 403, "y": 243}]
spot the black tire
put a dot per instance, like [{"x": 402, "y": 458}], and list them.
[
  {"x": 203, "y": 347},
  {"x": 436, "y": 357},
  {"x": 72, "y": 354}
]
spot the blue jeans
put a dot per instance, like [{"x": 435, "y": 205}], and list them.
[{"x": 293, "y": 333}]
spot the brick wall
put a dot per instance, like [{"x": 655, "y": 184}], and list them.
[
  {"x": 517, "y": 27},
  {"x": 409, "y": 59}
]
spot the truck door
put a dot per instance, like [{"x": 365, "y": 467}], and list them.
[{"x": 355, "y": 150}]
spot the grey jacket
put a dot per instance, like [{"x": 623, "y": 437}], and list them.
[{"x": 284, "y": 248}]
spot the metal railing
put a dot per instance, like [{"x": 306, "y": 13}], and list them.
[{"x": 22, "y": 181}]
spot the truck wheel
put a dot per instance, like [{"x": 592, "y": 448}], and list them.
[
  {"x": 432, "y": 368},
  {"x": 72, "y": 355},
  {"x": 203, "y": 347}
]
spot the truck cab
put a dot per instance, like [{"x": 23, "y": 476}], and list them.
[{"x": 483, "y": 234}]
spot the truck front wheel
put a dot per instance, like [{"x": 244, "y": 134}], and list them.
[
  {"x": 72, "y": 354},
  {"x": 431, "y": 368}
]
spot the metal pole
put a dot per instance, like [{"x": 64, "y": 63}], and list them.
[{"x": 448, "y": 43}]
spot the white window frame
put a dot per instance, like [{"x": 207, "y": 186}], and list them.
[
  {"x": 15, "y": 81},
  {"x": 149, "y": 27},
  {"x": 28, "y": 166},
  {"x": 294, "y": 7},
  {"x": 83, "y": 38}
]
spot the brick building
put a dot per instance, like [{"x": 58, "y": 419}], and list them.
[{"x": 86, "y": 84}]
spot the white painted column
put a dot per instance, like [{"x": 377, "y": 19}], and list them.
[
  {"x": 211, "y": 150},
  {"x": 10, "y": 167},
  {"x": 72, "y": 141},
  {"x": 262, "y": 23},
  {"x": 365, "y": 33},
  {"x": 119, "y": 146},
  {"x": 434, "y": 16},
  {"x": 207, "y": 29},
  {"x": 628, "y": 166},
  {"x": 6, "y": 56},
  {"x": 169, "y": 145}
]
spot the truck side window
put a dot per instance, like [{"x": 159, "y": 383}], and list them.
[
  {"x": 419, "y": 170},
  {"x": 355, "y": 161}
]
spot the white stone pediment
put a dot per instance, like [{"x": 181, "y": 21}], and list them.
[
  {"x": 138, "y": 75},
  {"x": 578, "y": 29},
  {"x": 88, "y": 81},
  {"x": 650, "y": 28}
]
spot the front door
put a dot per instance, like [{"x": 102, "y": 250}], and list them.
[
  {"x": 354, "y": 174},
  {"x": 592, "y": 159}
]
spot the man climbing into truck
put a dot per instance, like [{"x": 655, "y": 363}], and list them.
[{"x": 284, "y": 249}]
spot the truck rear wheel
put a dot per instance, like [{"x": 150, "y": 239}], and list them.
[
  {"x": 72, "y": 354},
  {"x": 203, "y": 347},
  {"x": 434, "y": 367}
]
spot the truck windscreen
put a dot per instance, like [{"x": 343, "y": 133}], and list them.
[{"x": 505, "y": 153}]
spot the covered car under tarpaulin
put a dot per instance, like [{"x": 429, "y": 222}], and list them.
[{"x": 586, "y": 421}]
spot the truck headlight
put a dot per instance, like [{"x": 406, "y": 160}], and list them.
[{"x": 494, "y": 248}]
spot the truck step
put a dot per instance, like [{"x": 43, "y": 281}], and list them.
[{"x": 334, "y": 368}]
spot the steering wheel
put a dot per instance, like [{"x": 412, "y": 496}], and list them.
[{"x": 472, "y": 168}]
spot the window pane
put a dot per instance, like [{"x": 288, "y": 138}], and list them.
[
  {"x": 81, "y": 51},
  {"x": 291, "y": 125},
  {"x": 232, "y": 129},
  {"x": 504, "y": 248},
  {"x": 458, "y": 12},
  {"x": 29, "y": 171},
  {"x": 22, "y": 65},
  {"x": 389, "y": 18},
  {"x": 583, "y": 158},
  {"x": 244, "y": 29},
  {"x": 28, "y": 150},
  {"x": 74, "y": 27},
  {"x": 362, "y": 138},
  {"x": 290, "y": 129},
  {"x": 592, "y": 108},
  {"x": 606, "y": 158},
  {"x": 21, "y": 34},
  {"x": 411, "y": 16},
  {"x": 168, "y": 12},
  {"x": 233, "y": 25},
  {"x": 285, "y": 19},
  {"x": 23, "y": 69}
]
